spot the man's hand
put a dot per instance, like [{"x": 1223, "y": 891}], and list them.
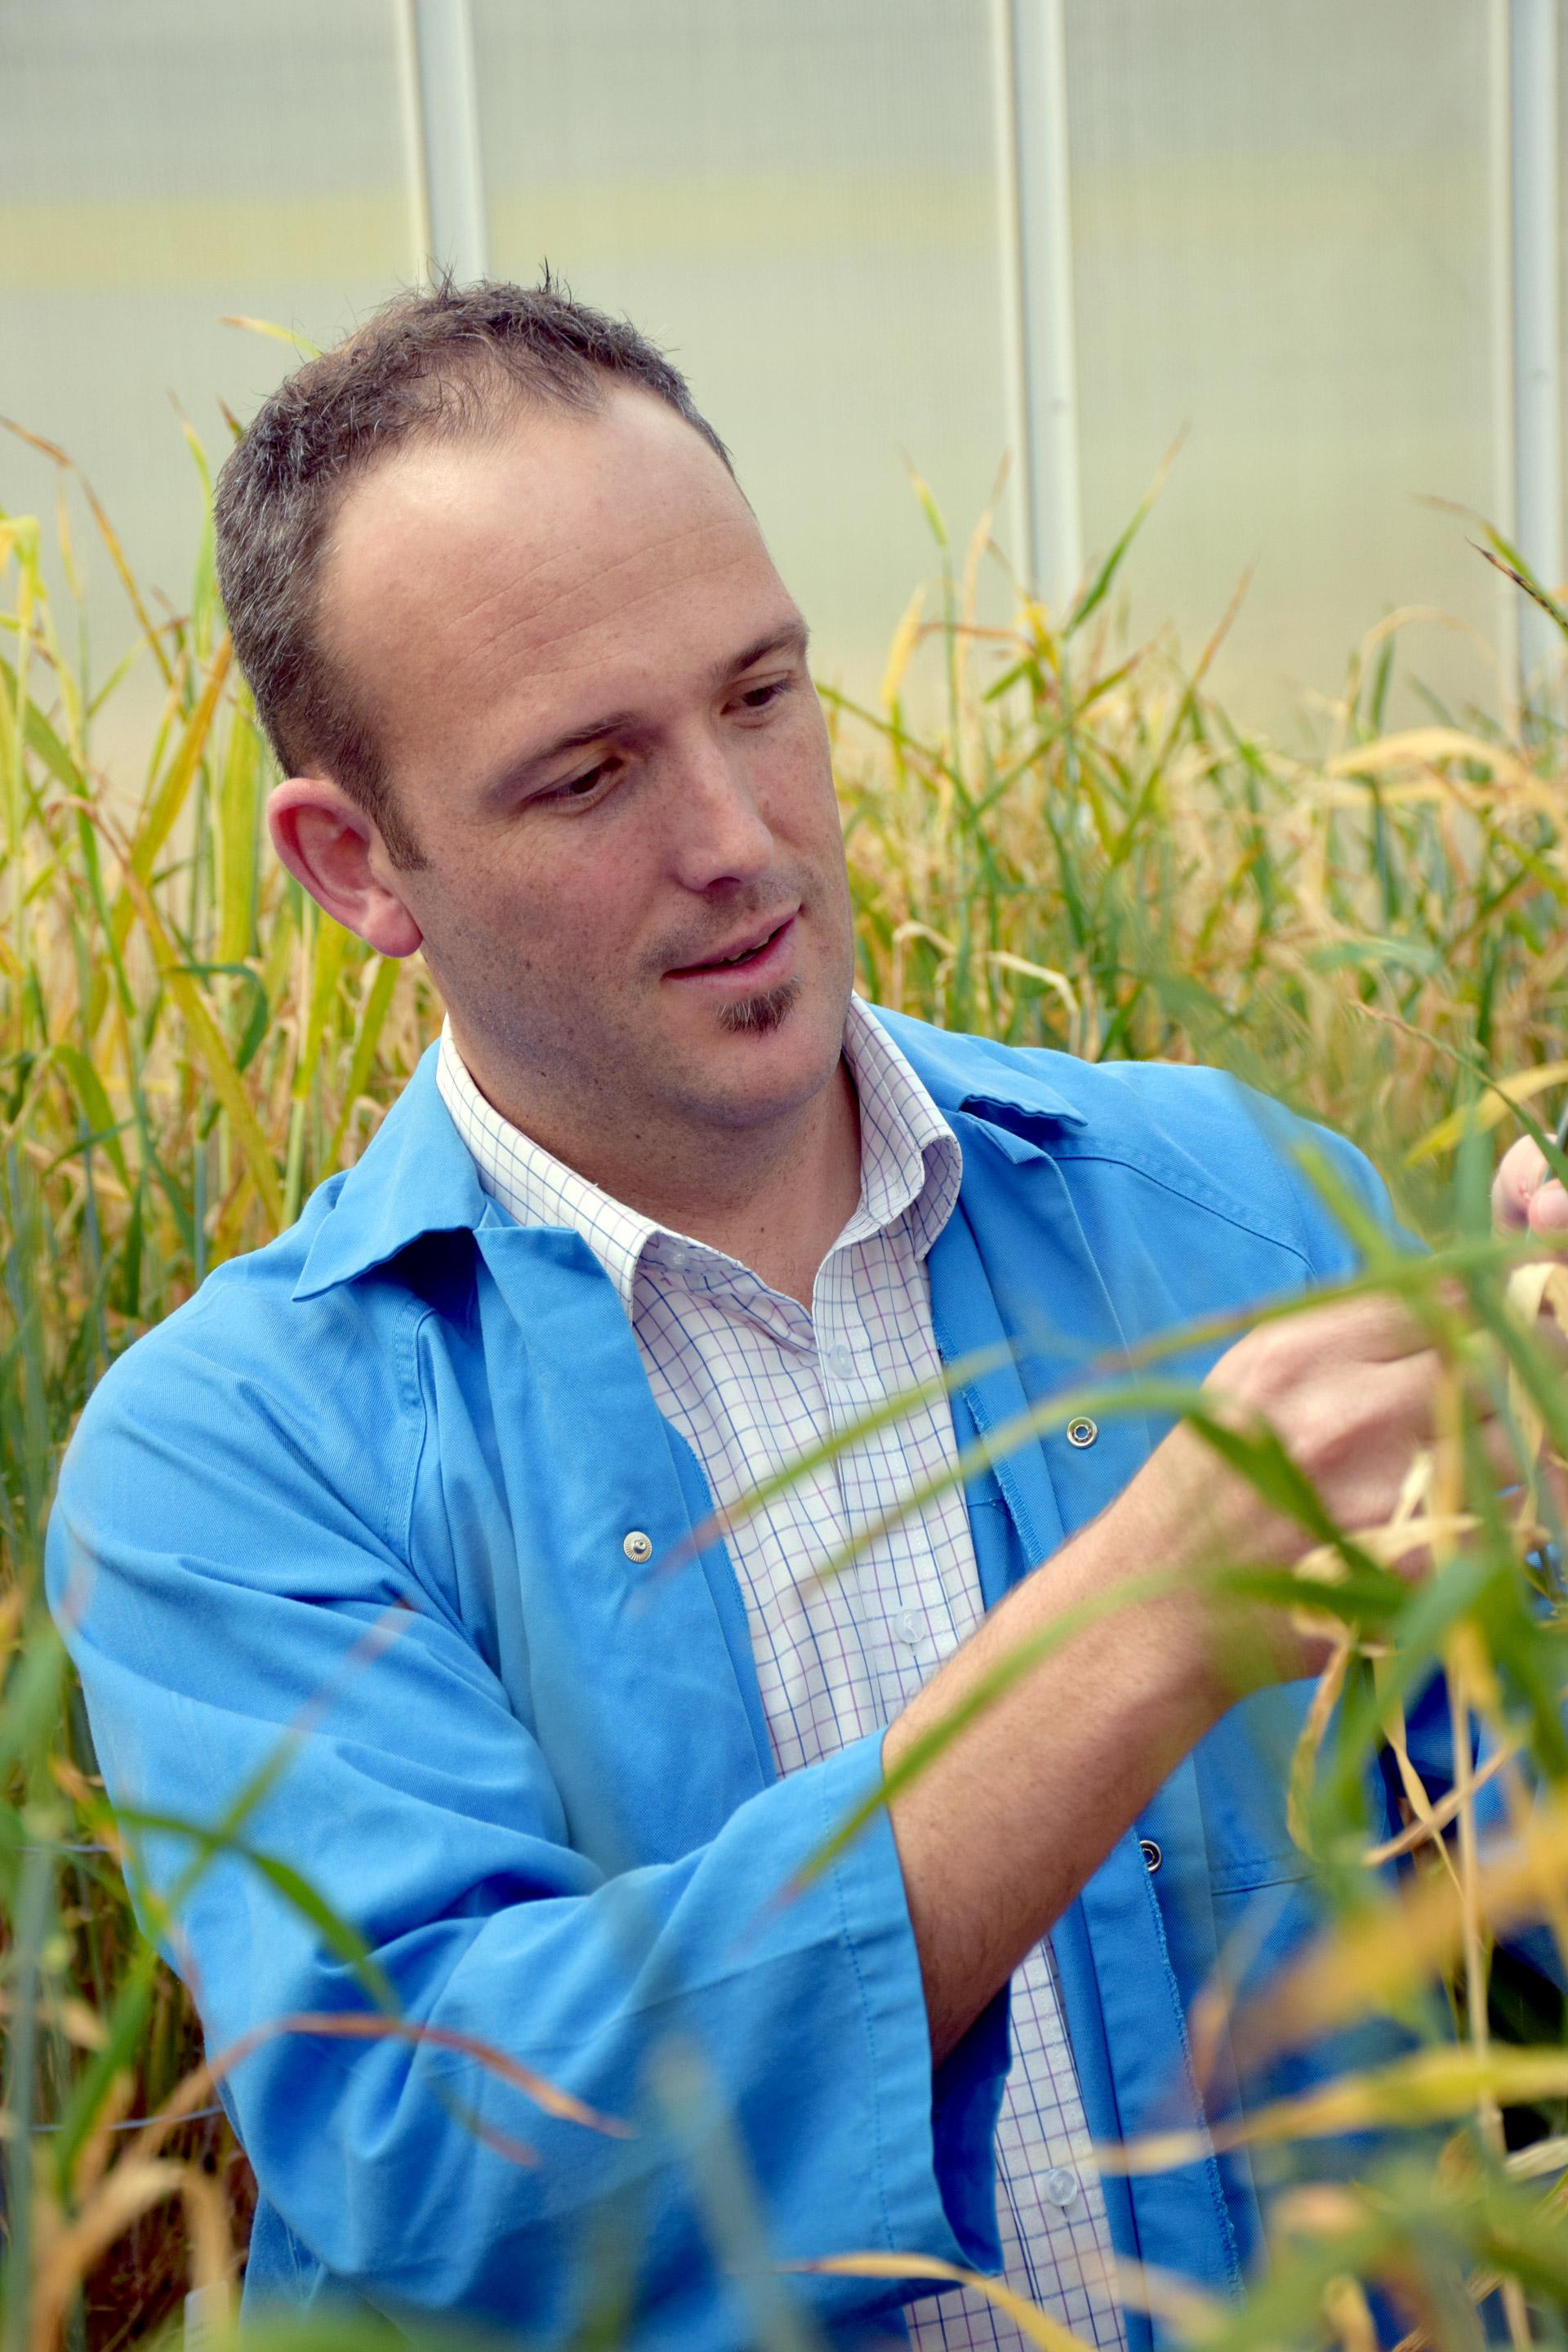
[
  {"x": 1352, "y": 1391},
  {"x": 1526, "y": 1197}
]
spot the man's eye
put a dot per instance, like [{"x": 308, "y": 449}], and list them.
[
  {"x": 579, "y": 788},
  {"x": 757, "y": 698}
]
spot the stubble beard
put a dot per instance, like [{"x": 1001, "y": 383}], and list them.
[{"x": 759, "y": 1016}]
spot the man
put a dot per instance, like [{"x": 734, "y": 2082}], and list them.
[{"x": 425, "y": 1490}]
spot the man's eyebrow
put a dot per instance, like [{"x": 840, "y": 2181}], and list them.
[{"x": 793, "y": 637}]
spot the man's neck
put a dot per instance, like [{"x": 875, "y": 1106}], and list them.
[
  {"x": 778, "y": 1211},
  {"x": 775, "y": 1200}
]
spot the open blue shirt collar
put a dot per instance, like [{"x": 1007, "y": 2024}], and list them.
[{"x": 418, "y": 1177}]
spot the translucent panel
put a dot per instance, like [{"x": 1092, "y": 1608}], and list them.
[
  {"x": 801, "y": 204},
  {"x": 1283, "y": 242},
  {"x": 160, "y": 165},
  {"x": 1282, "y": 239},
  {"x": 1563, "y": 219}
]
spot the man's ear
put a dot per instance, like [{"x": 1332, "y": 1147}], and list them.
[{"x": 335, "y": 852}]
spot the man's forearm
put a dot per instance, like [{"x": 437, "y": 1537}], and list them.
[{"x": 1000, "y": 1832}]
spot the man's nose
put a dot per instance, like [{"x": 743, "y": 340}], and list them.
[{"x": 717, "y": 831}]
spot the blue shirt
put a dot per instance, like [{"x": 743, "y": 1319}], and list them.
[{"x": 367, "y": 1495}]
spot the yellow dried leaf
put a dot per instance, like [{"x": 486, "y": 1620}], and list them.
[{"x": 906, "y": 636}]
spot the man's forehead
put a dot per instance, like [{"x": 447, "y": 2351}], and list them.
[
  {"x": 549, "y": 494},
  {"x": 459, "y": 571}
]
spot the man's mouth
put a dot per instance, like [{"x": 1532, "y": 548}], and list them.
[{"x": 765, "y": 953}]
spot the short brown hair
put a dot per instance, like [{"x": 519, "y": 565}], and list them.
[{"x": 441, "y": 366}]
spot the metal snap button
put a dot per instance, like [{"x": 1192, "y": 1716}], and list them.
[
  {"x": 1153, "y": 1857},
  {"x": 636, "y": 1546},
  {"x": 1082, "y": 1430}
]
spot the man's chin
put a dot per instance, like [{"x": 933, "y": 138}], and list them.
[{"x": 768, "y": 1056}]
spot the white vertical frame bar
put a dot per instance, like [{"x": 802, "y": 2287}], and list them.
[
  {"x": 1031, "y": 81},
  {"x": 1537, "y": 345},
  {"x": 441, "y": 85},
  {"x": 1503, "y": 504},
  {"x": 411, "y": 111},
  {"x": 1005, "y": 115}
]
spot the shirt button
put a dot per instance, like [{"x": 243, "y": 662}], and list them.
[
  {"x": 1082, "y": 1430},
  {"x": 910, "y": 1627},
  {"x": 840, "y": 1361},
  {"x": 676, "y": 1256},
  {"x": 1060, "y": 2186},
  {"x": 636, "y": 1546},
  {"x": 1153, "y": 1857}
]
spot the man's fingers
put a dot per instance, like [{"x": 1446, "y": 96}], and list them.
[
  {"x": 1520, "y": 1174},
  {"x": 1526, "y": 1197},
  {"x": 1376, "y": 1330}
]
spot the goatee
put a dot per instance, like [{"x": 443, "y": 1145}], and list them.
[{"x": 759, "y": 1016}]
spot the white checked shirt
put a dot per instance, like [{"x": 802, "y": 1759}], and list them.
[{"x": 753, "y": 1380}]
